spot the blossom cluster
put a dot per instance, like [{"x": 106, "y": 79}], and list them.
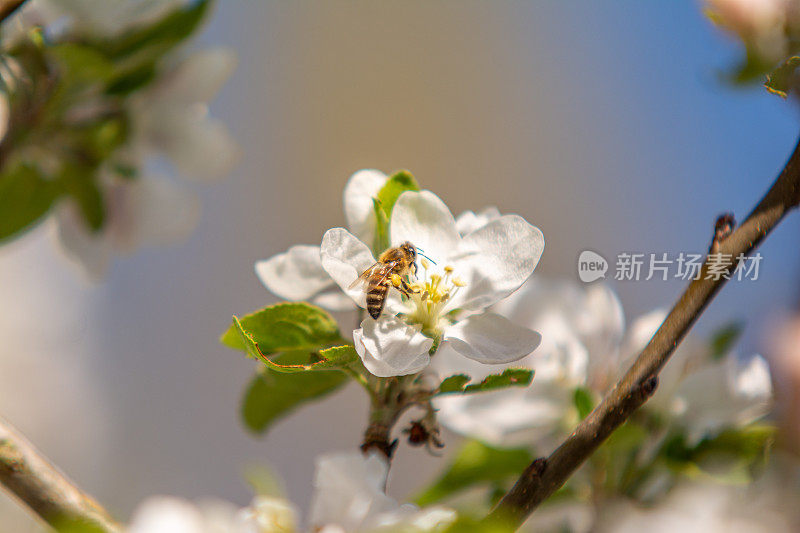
[
  {"x": 92, "y": 95},
  {"x": 471, "y": 310},
  {"x": 348, "y": 497}
]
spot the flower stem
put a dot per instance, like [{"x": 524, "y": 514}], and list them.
[
  {"x": 537, "y": 483},
  {"x": 390, "y": 400}
]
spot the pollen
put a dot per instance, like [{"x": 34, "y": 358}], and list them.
[
  {"x": 429, "y": 299},
  {"x": 396, "y": 281}
]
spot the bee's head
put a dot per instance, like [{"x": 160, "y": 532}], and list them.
[{"x": 410, "y": 250}]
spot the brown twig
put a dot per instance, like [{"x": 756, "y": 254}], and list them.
[
  {"x": 545, "y": 476},
  {"x": 7, "y": 8},
  {"x": 46, "y": 491}
]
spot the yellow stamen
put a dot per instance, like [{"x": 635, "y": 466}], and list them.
[
  {"x": 425, "y": 264},
  {"x": 448, "y": 269},
  {"x": 458, "y": 282}
]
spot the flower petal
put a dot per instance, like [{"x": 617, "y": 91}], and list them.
[
  {"x": 296, "y": 274},
  {"x": 751, "y": 379},
  {"x": 345, "y": 257},
  {"x": 92, "y": 253},
  {"x": 390, "y": 347},
  {"x": 200, "y": 147},
  {"x": 199, "y": 77},
  {"x": 334, "y": 300},
  {"x": 152, "y": 210},
  {"x": 496, "y": 259},
  {"x": 424, "y": 220},
  {"x": 491, "y": 338},
  {"x": 348, "y": 490},
  {"x": 469, "y": 221},
  {"x": 361, "y": 188},
  {"x": 567, "y": 313}
]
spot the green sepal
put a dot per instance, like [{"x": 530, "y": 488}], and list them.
[{"x": 397, "y": 184}]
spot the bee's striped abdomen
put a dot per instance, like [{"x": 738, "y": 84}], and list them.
[{"x": 376, "y": 298}]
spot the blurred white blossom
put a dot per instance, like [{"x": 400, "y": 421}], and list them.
[
  {"x": 171, "y": 117},
  {"x": 706, "y": 508},
  {"x": 144, "y": 211},
  {"x": 581, "y": 329},
  {"x": 583, "y": 346},
  {"x": 760, "y": 23},
  {"x": 348, "y": 497}
]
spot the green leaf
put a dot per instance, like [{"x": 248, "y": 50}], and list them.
[
  {"x": 780, "y": 80},
  {"x": 79, "y": 182},
  {"x": 584, "y": 401},
  {"x": 25, "y": 198},
  {"x": 511, "y": 377},
  {"x": 476, "y": 463},
  {"x": 454, "y": 383},
  {"x": 131, "y": 80},
  {"x": 82, "y": 64},
  {"x": 334, "y": 358},
  {"x": 396, "y": 185},
  {"x": 272, "y": 395},
  {"x": 746, "y": 449},
  {"x": 156, "y": 39},
  {"x": 724, "y": 339},
  {"x": 469, "y": 524},
  {"x": 285, "y": 326}
]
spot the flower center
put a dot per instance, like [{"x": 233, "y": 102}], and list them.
[{"x": 429, "y": 296}]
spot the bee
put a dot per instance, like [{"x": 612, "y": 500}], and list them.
[{"x": 378, "y": 278}]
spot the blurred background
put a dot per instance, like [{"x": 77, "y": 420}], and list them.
[{"x": 608, "y": 126}]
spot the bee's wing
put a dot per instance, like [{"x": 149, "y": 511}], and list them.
[{"x": 364, "y": 277}]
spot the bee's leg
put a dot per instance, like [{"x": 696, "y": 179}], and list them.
[{"x": 406, "y": 289}]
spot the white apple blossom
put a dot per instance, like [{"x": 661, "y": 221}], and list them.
[
  {"x": 297, "y": 274},
  {"x": 706, "y": 508},
  {"x": 145, "y": 210},
  {"x": 580, "y": 327},
  {"x": 450, "y": 297},
  {"x": 583, "y": 345},
  {"x": 701, "y": 394},
  {"x": 349, "y": 497}
]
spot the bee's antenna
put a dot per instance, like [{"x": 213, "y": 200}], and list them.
[{"x": 425, "y": 256}]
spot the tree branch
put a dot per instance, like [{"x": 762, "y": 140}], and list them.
[
  {"x": 7, "y": 8},
  {"x": 545, "y": 476},
  {"x": 46, "y": 491}
]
